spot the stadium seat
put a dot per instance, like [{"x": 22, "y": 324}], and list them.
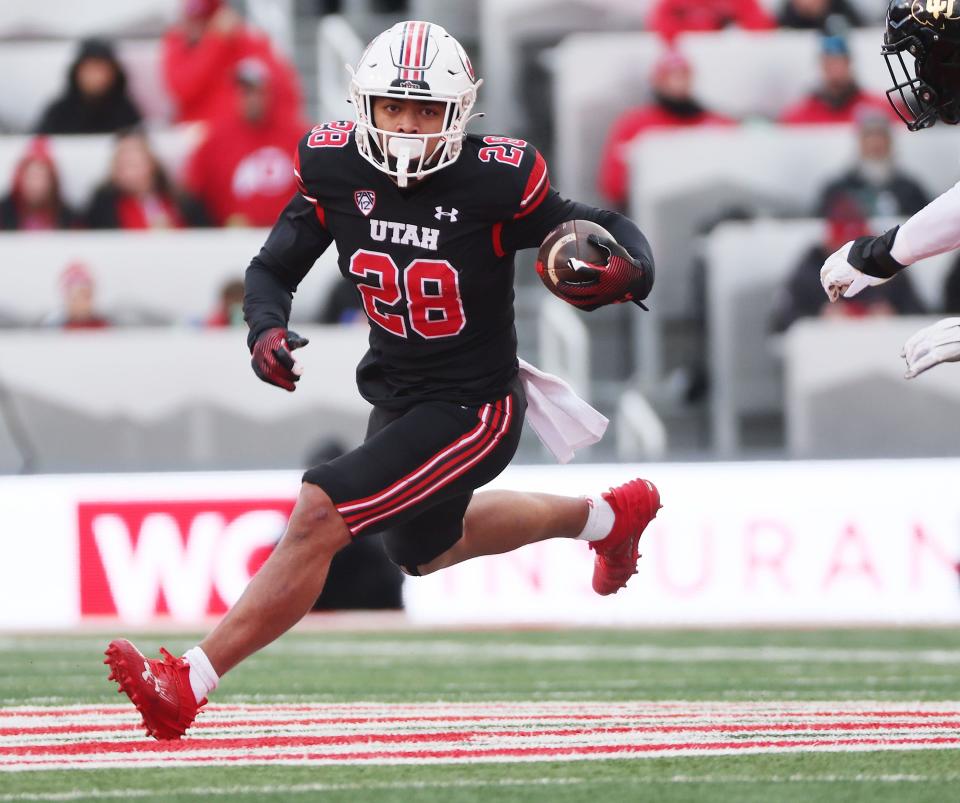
[
  {"x": 747, "y": 263},
  {"x": 163, "y": 275}
]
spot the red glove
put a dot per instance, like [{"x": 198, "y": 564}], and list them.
[
  {"x": 272, "y": 360},
  {"x": 621, "y": 278}
]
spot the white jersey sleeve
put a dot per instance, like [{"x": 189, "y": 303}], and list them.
[{"x": 935, "y": 229}]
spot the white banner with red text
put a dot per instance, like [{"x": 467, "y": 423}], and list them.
[{"x": 735, "y": 543}]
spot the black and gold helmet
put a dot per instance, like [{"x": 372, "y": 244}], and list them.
[{"x": 929, "y": 32}]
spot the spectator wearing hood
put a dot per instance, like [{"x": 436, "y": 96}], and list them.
[
  {"x": 243, "y": 170},
  {"x": 96, "y": 99},
  {"x": 673, "y": 106},
  {"x": 838, "y": 98},
  {"x": 139, "y": 195},
  {"x": 200, "y": 56},
  {"x": 35, "y": 202}
]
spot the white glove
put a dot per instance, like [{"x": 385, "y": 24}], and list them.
[
  {"x": 839, "y": 277},
  {"x": 937, "y": 343}
]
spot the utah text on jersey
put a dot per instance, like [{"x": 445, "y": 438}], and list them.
[{"x": 404, "y": 234}]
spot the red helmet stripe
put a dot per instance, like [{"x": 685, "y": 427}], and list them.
[
  {"x": 402, "y": 73},
  {"x": 421, "y": 41}
]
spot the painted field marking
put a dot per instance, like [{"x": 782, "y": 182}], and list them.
[{"x": 97, "y": 736}]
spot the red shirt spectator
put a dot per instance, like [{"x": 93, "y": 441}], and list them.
[
  {"x": 838, "y": 99},
  {"x": 243, "y": 170},
  {"x": 138, "y": 194},
  {"x": 200, "y": 56},
  {"x": 670, "y": 18},
  {"x": 673, "y": 107},
  {"x": 35, "y": 201}
]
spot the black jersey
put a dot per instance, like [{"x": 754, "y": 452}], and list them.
[{"x": 433, "y": 263}]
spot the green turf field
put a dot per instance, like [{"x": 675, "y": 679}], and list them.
[{"x": 712, "y": 681}]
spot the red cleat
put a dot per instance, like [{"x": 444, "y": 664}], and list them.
[
  {"x": 160, "y": 689},
  {"x": 634, "y": 504}
]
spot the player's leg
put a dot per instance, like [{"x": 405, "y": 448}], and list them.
[
  {"x": 501, "y": 521},
  {"x": 284, "y": 589},
  {"x": 169, "y": 691}
]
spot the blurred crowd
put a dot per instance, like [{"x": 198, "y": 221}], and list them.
[
  {"x": 227, "y": 79},
  {"x": 221, "y": 75}
]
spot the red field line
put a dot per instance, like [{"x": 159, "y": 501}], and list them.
[
  {"x": 202, "y": 728},
  {"x": 579, "y": 751}
]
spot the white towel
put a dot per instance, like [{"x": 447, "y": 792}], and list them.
[{"x": 562, "y": 420}]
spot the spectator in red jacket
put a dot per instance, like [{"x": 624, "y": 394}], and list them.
[
  {"x": 670, "y": 18},
  {"x": 139, "y": 195},
  {"x": 243, "y": 170},
  {"x": 838, "y": 99},
  {"x": 200, "y": 56},
  {"x": 34, "y": 201},
  {"x": 673, "y": 106}
]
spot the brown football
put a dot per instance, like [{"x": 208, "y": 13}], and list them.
[{"x": 565, "y": 247}]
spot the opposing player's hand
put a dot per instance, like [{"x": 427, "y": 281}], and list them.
[
  {"x": 840, "y": 278},
  {"x": 272, "y": 359},
  {"x": 619, "y": 278},
  {"x": 937, "y": 343}
]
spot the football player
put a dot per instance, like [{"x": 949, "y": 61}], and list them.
[
  {"x": 426, "y": 220},
  {"x": 929, "y": 34}
]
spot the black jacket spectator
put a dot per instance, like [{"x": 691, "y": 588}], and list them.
[
  {"x": 824, "y": 15},
  {"x": 874, "y": 183},
  {"x": 803, "y": 296},
  {"x": 96, "y": 99}
]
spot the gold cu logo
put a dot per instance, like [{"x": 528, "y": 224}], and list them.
[{"x": 937, "y": 7}]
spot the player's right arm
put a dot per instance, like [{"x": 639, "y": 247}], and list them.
[{"x": 295, "y": 242}]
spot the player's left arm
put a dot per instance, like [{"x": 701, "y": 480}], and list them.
[{"x": 628, "y": 270}]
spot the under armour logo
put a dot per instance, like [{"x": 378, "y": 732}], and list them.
[
  {"x": 147, "y": 675},
  {"x": 452, "y": 214}
]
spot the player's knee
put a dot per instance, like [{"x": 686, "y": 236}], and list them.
[{"x": 316, "y": 521}]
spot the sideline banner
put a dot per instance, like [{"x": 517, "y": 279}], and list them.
[{"x": 736, "y": 543}]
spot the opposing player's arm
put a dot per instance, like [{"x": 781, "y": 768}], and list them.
[{"x": 869, "y": 261}]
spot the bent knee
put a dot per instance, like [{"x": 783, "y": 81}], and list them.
[{"x": 315, "y": 518}]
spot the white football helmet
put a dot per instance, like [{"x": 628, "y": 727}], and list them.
[{"x": 418, "y": 61}]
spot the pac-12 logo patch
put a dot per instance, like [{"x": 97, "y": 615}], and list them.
[{"x": 365, "y": 201}]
